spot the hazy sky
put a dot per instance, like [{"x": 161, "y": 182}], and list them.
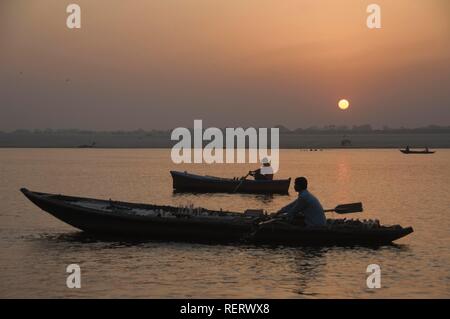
[{"x": 163, "y": 63}]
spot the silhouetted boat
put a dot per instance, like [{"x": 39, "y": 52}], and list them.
[
  {"x": 141, "y": 220},
  {"x": 186, "y": 182},
  {"x": 87, "y": 146},
  {"x": 113, "y": 218},
  {"x": 417, "y": 152}
]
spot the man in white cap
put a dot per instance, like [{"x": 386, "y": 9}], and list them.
[{"x": 265, "y": 172}]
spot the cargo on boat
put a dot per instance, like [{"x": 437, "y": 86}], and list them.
[
  {"x": 186, "y": 182},
  {"x": 135, "y": 221}
]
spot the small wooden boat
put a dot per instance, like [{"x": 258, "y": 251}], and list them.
[
  {"x": 417, "y": 152},
  {"x": 135, "y": 221},
  {"x": 186, "y": 182}
]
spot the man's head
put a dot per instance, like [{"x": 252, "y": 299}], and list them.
[
  {"x": 301, "y": 183},
  {"x": 265, "y": 161}
]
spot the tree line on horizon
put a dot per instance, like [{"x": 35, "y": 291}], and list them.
[{"x": 327, "y": 129}]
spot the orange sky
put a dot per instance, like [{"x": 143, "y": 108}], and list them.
[{"x": 160, "y": 64}]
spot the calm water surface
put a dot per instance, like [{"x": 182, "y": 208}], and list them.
[{"x": 35, "y": 248}]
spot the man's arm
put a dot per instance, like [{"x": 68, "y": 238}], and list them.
[
  {"x": 255, "y": 172},
  {"x": 286, "y": 208},
  {"x": 298, "y": 207}
]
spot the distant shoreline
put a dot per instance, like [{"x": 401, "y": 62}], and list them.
[
  {"x": 168, "y": 148},
  {"x": 145, "y": 140}
]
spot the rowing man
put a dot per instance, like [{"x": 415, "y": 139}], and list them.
[
  {"x": 265, "y": 172},
  {"x": 306, "y": 206}
]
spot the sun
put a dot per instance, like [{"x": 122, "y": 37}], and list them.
[{"x": 343, "y": 104}]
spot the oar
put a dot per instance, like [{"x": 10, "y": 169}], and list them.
[
  {"x": 240, "y": 183},
  {"x": 346, "y": 208},
  {"x": 340, "y": 209}
]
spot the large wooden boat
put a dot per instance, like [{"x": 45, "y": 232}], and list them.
[{"x": 136, "y": 221}]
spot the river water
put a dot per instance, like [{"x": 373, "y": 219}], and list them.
[{"x": 35, "y": 248}]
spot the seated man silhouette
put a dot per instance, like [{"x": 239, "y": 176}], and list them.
[
  {"x": 306, "y": 209},
  {"x": 265, "y": 172}
]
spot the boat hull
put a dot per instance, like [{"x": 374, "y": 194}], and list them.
[
  {"x": 417, "y": 152},
  {"x": 123, "y": 221},
  {"x": 186, "y": 182},
  {"x": 96, "y": 222},
  {"x": 287, "y": 234}
]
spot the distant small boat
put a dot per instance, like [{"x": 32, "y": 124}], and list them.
[
  {"x": 417, "y": 152},
  {"x": 186, "y": 182},
  {"x": 87, "y": 146}
]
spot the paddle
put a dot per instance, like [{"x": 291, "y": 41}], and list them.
[
  {"x": 342, "y": 209},
  {"x": 346, "y": 208},
  {"x": 240, "y": 183}
]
